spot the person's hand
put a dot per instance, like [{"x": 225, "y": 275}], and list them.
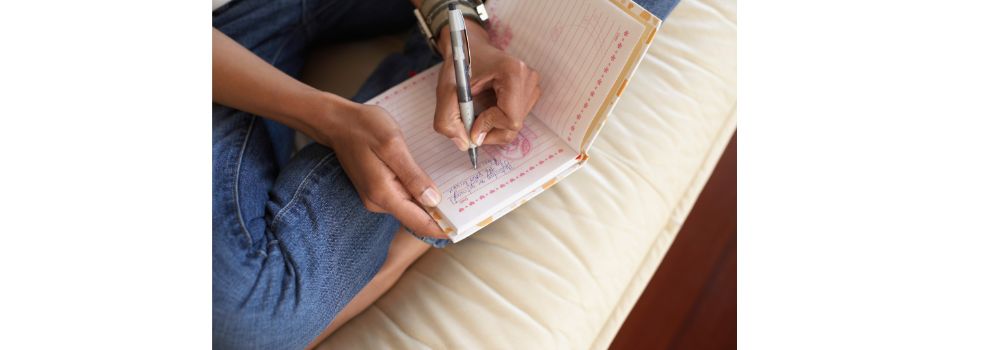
[
  {"x": 514, "y": 83},
  {"x": 371, "y": 149},
  {"x": 366, "y": 139}
]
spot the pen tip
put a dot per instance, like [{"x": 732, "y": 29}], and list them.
[{"x": 474, "y": 157}]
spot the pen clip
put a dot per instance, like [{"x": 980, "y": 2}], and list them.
[{"x": 468, "y": 50}]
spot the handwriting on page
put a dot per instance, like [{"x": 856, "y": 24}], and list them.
[
  {"x": 502, "y": 162},
  {"x": 488, "y": 172}
]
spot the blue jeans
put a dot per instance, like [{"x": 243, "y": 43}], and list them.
[{"x": 292, "y": 243}]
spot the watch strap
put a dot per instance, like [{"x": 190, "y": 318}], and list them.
[{"x": 432, "y": 16}]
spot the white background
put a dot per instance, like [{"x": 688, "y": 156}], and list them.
[
  {"x": 868, "y": 174},
  {"x": 869, "y": 147},
  {"x": 106, "y": 173}
]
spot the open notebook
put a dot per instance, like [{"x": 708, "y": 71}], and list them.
[{"x": 584, "y": 51}]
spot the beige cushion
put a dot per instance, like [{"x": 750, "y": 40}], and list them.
[{"x": 563, "y": 271}]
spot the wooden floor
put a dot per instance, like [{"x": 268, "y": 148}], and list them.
[{"x": 690, "y": 303}]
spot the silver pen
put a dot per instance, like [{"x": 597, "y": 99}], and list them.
[{"x": 463, "y": 68}]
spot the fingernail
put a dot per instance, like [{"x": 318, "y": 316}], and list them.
[
  {"x": 480, "y": 138},
  {"x": 459, "y": 143},
  {"x": 430, "y": 197}
]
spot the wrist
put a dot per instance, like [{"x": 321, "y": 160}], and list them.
[
  {"x": 327, "y": 117},
  {"x": 478, "y": 35}
]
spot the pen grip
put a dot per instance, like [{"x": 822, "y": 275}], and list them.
[{"x": 466, "y": 109}]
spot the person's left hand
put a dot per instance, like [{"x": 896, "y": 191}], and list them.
[{"x": 514, "y": 83}]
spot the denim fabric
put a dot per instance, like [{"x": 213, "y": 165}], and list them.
[
  {"x": 292, "y": 243},
  {"x": 659, "y": 8}
]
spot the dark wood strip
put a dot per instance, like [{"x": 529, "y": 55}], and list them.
[{"x": 690, "y": 303}]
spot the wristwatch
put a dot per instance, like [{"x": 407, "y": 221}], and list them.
[{"x": 432, "y": 16}]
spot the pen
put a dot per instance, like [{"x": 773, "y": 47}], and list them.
[{"x": 463, "y": 63}]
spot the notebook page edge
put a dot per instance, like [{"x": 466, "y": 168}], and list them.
[
  {"x": 651, "y": 25},
  {"x": 520, "y": 197}
]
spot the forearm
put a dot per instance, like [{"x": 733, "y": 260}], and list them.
[{"x": 243, "y": 81}]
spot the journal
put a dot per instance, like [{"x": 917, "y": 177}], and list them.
[{"x": 584, "y": 51}]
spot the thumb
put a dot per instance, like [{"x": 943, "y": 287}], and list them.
[
  {"x": 447, "y": 119},
  {"x": 488, "y": 120}
]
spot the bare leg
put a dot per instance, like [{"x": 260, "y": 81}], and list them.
[{"x": 403, "y": 251}]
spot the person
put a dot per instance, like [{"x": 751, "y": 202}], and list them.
[{"x": 302, "y": 241}]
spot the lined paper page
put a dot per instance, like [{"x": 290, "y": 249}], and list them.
[
  {"x": 577, "y": 47},
  {"x": 471, "y": 196}
]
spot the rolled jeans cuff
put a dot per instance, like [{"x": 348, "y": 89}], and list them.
[{"x": 433, "y": 242}]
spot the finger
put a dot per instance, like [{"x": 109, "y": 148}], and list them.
[
  {"x": 371, "y": 205},
  {"x": 499, "y": 137},
  {"x": 447, "y": 120},
  {"x": 490, "y": 119},
  {"x": 481, "y": 84},
  {"x": 515, "y": 89},
  {"x": 414, "y": 217},
  {"x": 414, "y": 179},
  {"x": 535, "y": 95}
]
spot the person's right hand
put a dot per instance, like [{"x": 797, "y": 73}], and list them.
[
  {"x": 515, "y": 85},
  {"x": 371, "y": 149}
]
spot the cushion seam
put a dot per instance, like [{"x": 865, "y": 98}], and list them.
[{"x": 730, "y": 127}]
